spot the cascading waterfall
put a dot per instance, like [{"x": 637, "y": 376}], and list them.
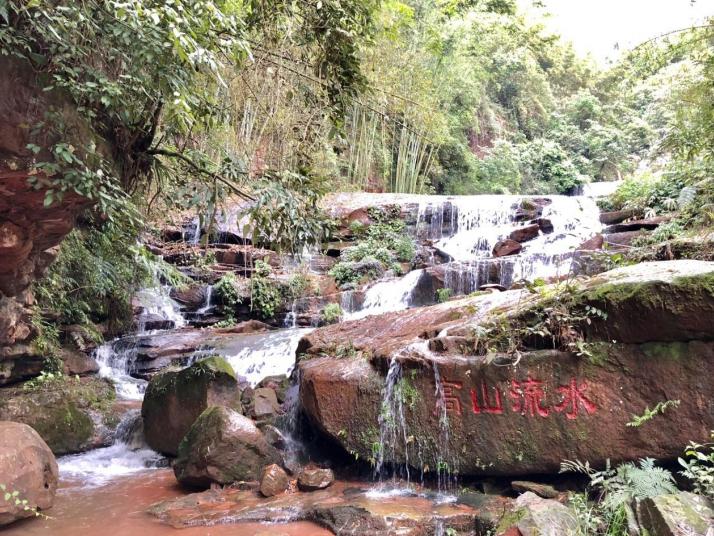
[
  {"x": 128, "y": 455},
  {"x": 116, "y": 358},
  {"x": 387, "y": 296},
  {"x": 477, "y": 223},
  {"x": 446, "y": 466},
  {"x": 191, "y": 232},
  {"x": 207, "y": 304},
  {"x": 259, "y": 355}
]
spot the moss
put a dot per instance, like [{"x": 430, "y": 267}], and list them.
[
  {"x": 510, "y": 519},
  {"x": 62, "y": 412},
  {"x": 665, "y": 350},
  {"x": 212, "y": 366},
  {"x": 703, "y": 283}
]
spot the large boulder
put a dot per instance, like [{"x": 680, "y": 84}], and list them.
[
  {"x": 223, "y": 447},
  {"x": 175, "y": 398},
  {"x": 462, "y": 401},
  {"x": 28, "y": 472},
  {"x": 70, "y": 414}
]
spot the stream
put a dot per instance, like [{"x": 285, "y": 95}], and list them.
[{"x": 113, "y": 486}]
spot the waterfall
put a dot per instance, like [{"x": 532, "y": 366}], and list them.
[
  {"x": 387, "y": 296},
  {"x": 482, "y": 221},
  {"x": 446, "y": 467},
  {"x": 256, "y": 356},
  {"x": 392, "y": 424},
  {"x": 207, "y": 304},
  {"x": 127, "y": 455},
  {"x": 290, "y": 321},
  {"x": 116, "y": 358},
  {"x": 191, "y": 232}
]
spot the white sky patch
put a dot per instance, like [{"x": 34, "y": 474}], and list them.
[{"x": 598, "y": 26}]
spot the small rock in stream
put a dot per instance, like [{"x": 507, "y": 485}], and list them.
[
  {"x": 273, "y": 481},
  {"x": 313, "y": 478}
]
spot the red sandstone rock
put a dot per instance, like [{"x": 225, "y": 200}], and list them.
[
  {"x": 28, "y": 468},
  {"x": 592, "y": 244},
  {"x": 525, "y": 233},
  {"x": 273, "y": 481},
  {"x": 507, "y": 247},
  {"x": 546, "y": 405}
]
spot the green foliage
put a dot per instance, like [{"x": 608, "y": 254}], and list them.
[
  {"x": 615, "y": 488},
  {"x": 443, "y": 294},
  {"x": 698, "y": 464},
  {"x": 14, "y": 499},
  {"x": 299, "y": 285},
  {"x": 94, "y": 277},
  {"x": 384, "y": 242},
  {"x": 283, "y": 215},
  {"x": 227, "y": 291},
  {"x": 331, "y": 313},
  {"x": 265, "y": 298},
  {"x": 344, "y": 273},
  {"x": 649, "y": 414},
  {"x": 405, "y": 392}
]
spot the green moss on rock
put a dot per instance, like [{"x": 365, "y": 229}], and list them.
[{"x": 71, "y": 415}]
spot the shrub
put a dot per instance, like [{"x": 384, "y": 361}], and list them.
[
  {"x": 228, "y": 294},
  {"x": 344, "y": 272},
  {"x": 265, "y": 296},
  {"x": 443, "y": 294},
  {"x": 699, "y": 467},
  {"x": 331, "y": 313}
]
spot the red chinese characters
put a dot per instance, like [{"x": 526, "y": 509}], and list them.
[
  {"x": 573, "y": 397},
  {"x": 451, "y": 401},
  {"x": 529, "y": 397},
  {"x": 487, "y": 405}
]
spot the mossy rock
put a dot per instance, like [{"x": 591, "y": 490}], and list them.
[
  {"x": 223, "y": 447},
  {"x": 70, "y": 414},
  {"x": 175, "y": 398}
]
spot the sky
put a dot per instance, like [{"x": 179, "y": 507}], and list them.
[{"x": 596, "y": 26}]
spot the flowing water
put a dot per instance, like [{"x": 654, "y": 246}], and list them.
[
  {"x": 117, "y": 483},
  {"x": 467, "y": 228}
]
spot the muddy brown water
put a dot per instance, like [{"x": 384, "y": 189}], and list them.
[{"x": 118, "y": 509}]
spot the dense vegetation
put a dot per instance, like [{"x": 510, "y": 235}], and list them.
[{"x": 194, "y": 104}]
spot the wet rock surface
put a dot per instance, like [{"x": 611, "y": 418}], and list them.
[
  {"x": 345, "y": 508},
  {"x": 175, "y": 398},
  {"x": 313, "y": 478},
  {"x": 273, "y": 481},
  {"x": 546, "y": 405},
  {"x": 534, "y": 516},
  {"x": 223, "y": 447},
  {"x": 676, "y": 514},
  {"x": 28, "y": 471}
]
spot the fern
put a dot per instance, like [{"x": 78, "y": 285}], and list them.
[
  {"x": 626, "y": 482},
  {"x": 649, "y": 414}
]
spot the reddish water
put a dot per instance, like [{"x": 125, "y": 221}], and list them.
[{"x": 117, "y": 509}]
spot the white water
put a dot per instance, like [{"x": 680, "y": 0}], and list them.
[
  {"x": 479, "y": 222},
  {"x": 116, "y": 358},
  {"x": 387, "y": 296},
  {"x": 100, "y": 466},
  {"x": 259, "y": 355},
  {"x": 207, "y": 305}
]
